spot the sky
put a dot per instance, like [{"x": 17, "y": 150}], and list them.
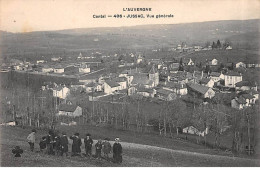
[{"x": 40, "y": 15}]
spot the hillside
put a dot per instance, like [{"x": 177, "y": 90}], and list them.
[
  {"x": 243, "y": 33},
  {"x": 134, "y": 154}
]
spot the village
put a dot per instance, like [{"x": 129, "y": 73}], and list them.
[{"x": 95, "y": 89}]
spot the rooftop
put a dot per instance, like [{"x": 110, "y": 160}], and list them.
[
  {"x": 163, "y": 91},
  {"x": 67, "y": 108},
  {"x": 215, "y": 74},
  {"x": 112, "y": 83},
  {"x": 204, "y": 80},
  {"x": 232, "y": 73},
  {"x": 198, "y": 88}
]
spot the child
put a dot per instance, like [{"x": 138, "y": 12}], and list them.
[
  {"x": 98, "y": 149},
  {"x": 106, "y": 148},
  {"x": 31, "y": 139},
  {"x": 17, "y": 151},
  {"x": 88, "y": 145},
  {"x": 42, "y": 143}
]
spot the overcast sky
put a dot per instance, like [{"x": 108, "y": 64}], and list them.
[{"x": 36, "y": 15}]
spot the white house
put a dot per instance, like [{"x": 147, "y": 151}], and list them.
[
  {"x": 110, "y": 86},
  {"x": 240, "y": 64},
  {"x": 93, "y": 87},
  {"x": 165, "y": 94},
  {"x": 238, "y": 103},
  {"x": 146, "y": 92},
  {"x": 47, "y": 69},
  {"x": 177, "y": 88},
  {"x": 40, "y": 61},
  {"x": 56, "y": 59},
  {"x": 215, "y": 76},
  {"x": 207, "y": 82},
  {"x": 139, "y": 59},
  {"x": 122, "y": 81},
  {"x": 61, "y": 92},
  {"x": 231, "y": 78},
  {"x": 84, "y": 69},
  {"x": 229, "y": 48},
  {"x": 250, "y": 100},
  {"x": 190, "y": 62},
  {"x": 244, "y": 85},
  {"x": 58, "y": 70},
  {"x": 200, "y": 90},
  {"x": 69, "y": 110},
  {"x": 214, "y": 62}
]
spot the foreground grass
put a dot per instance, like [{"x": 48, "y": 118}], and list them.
[{"x": 133, "y": 154}]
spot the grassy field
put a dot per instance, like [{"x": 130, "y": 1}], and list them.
[{"x": 168, "y": 153}]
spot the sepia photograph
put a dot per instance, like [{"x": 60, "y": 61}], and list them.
[{"x": 130, "y": 83}]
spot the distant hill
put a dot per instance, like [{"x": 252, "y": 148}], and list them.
[{"x": 241, "y": 32}]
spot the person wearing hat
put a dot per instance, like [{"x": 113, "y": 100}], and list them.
[
  {"x": 49, "y": 142},
  {"x": 57, "y": 144},
  {"x": 31, "y": 139},
  {"x": 106, "y": 148},
  {"x": 17, "y": 151},
  {"x": 98, "y": 149},
  {"x": 76, "y": 143},
  {"x": 64, "y": 144},
  {"x": 42, "y": 143},
  {"x": 117, "y": 151},
  {"x": 88, "y": 145}
]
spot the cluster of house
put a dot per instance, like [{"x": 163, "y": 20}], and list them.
[
  {"x": 176, "y": 84},
  {"x": 66, "y": 69},
  {"x": 184, "y": 48},
  {"x": 62, "y": 92}
]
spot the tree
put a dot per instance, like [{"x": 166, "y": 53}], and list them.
[
  {"x": 214, "y": 45},
  {"x": 181, "y": 65},
  {"x": 177, "y": 114},
  {"x": 200, "y": 120},
  {"x": 207, "y": 44},
  {"x": 218, "y": 44},
  {"x": 120, "y": 58}
]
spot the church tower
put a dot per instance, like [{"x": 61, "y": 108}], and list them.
[{"x": 154, "y": 75}]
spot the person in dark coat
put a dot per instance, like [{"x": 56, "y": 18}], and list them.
[
  {"x": 49, "y": 142},
  {"x": 17, "y": 151},
  {"x": 117, "y": 151},
  {"x": 106, "y": 148},
  {"x": 98, "y": 149},
  {"x": 76, "y": 144},
  {"x": 64, "y": 144},
  {"x": 57, "y": 145},
  {"x": 88, "y": 145},
  {"x": 42, "y": 143}
]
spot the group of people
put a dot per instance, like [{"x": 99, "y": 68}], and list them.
[{"x": 59, "y": 145}]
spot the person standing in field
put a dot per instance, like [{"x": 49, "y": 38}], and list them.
[
  {"x": 117, "y": 151},
  {"x": 57, "y": 144},
  {"x": 98, "y": 149},
  {"x": 42, "y": 143},
  {"x": 49, "y": 142},
  {"x": 76, "y": 144},
  {"x": 31, "y": 139},
  {"x": 64, "y": 144},
  {"x": 106, "y": 148},
  {"x": 88, "y": 145}
]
